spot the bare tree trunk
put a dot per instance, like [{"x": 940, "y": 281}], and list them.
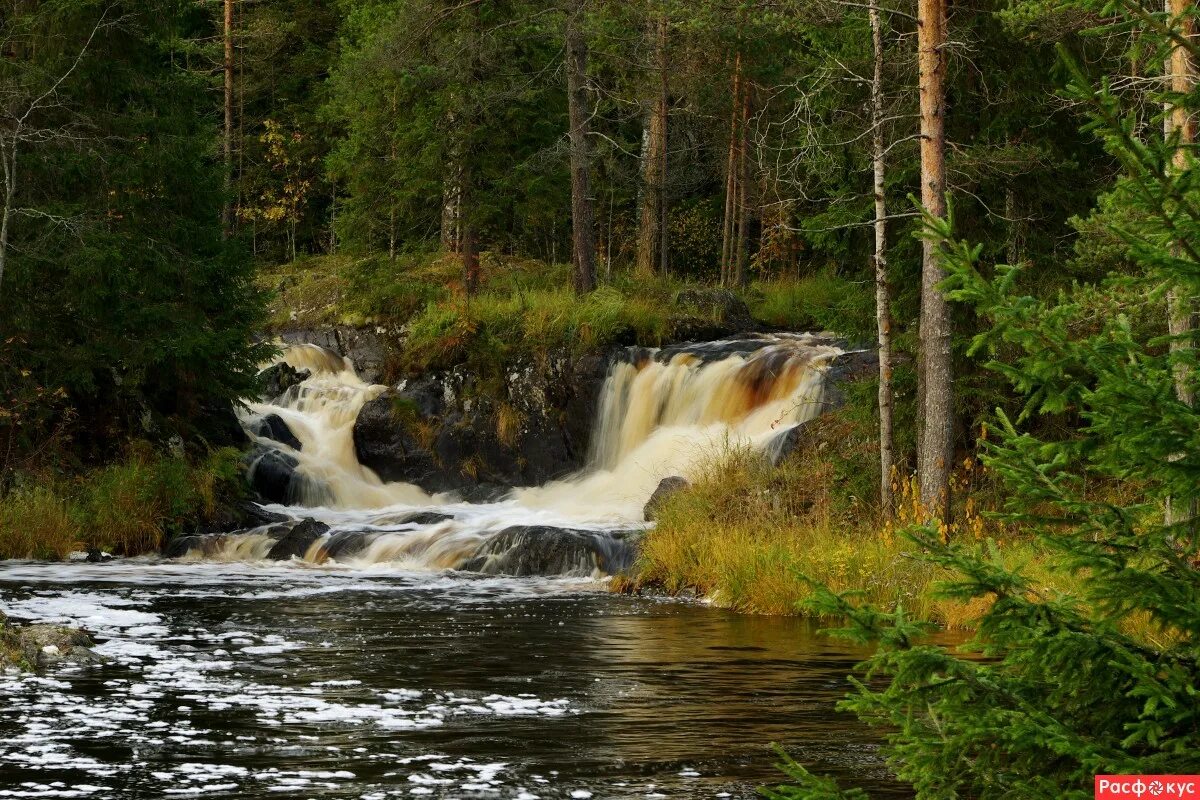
[
  {"x": 743, "y": 238},
  {"x": 936, "y": 450},
  {"x": 227, "y": 211},
  {"x": 9, "y": 155},
  {"x": 1181, "y": 310},
  {"x": 468, "y": 242},
  {"x": 727, "y": 226},
  {"x": 450, "y": 199},
  {"x": 583, "y": 221},
  {"x": 883, "y": 312}
]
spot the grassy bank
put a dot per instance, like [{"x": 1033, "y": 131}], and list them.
[
  {"x": 125, "y": 508},
  {"x": 525, "y": 306},
  {"x": 748, "y": 535}
]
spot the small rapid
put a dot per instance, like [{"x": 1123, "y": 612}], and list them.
[{"x": 661, "y": 413}]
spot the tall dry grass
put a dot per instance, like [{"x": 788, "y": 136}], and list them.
[
  {"x": 126, "y": 508},
  {"x": 750, "y": 536}
]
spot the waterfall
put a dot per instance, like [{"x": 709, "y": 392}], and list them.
[
  {"x": 661, "y": 413},
  {"x": 320, "y": 412}
]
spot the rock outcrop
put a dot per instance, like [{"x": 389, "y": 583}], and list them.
[
  {"x": 524, "y": 550},
  {"x": 445, "y": 431},
  {"x": 273, "y": 427},
  {"x": 276, "y": 379},
  {"x": 297, "y": 540}
]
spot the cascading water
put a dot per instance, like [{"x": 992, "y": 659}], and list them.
[{"x": 661, "y": 413}]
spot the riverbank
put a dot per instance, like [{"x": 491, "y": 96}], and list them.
[
  {"x": 128, "y": 507},
  {"x": 751, "y": 536}
]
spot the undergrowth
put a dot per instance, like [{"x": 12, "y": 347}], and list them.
[{"x": 126, "y": 508}]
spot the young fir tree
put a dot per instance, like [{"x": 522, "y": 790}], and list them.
[{"x": 1055, "y": 689}]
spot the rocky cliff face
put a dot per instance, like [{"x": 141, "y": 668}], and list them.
[{"x": 451, "y": 431}]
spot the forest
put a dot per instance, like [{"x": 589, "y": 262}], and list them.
[{"x": 990, "y": 204}]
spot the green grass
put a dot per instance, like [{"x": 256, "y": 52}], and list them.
[
  {"x": 126, "y": 508},
  {"x": 816, "y": 302}
]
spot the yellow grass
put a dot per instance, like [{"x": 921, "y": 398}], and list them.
[{"x": 747, "y": 536}]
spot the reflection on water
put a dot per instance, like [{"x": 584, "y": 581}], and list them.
[{"x": 231, "y": 680}]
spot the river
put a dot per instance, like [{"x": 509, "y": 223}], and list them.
[
  {"x": 255, "y": 681},
  {"x": 388, "y": 651}
]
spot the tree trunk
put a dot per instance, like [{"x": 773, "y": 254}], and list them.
[
  {"x": 450, "y": 212},
  {"x": 468, "y": 242},
  {"x": 883, "y": 312},
  {"x": 227, "y": 210},
  {"x": 9, "y": 155},
  {"x": 743, "y": 238},
  {"x": 583, "y": 223},
  {"x": 936, "y": 450},
  {"x": 1181, "y": 310},
  {"x": 654, "y": 145},
  {"x": 664, "y": 107},
  {"x": 727, "y": 226}
]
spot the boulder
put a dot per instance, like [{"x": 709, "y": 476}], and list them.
[
  {"x": 276, "y": 379},
  {"x": 666, "y": 487},
  {"x": 272, "y": 474},
  {"x": 273, "y": 427},
  {"x": 443, "y": 432},
  {"x": 345, "y": 544},
  {"x": 524, "y": 550},
  {"x": 385, "y": 440},
  {"x": 39, "y": 646},
  {"x": 297, "y": 540}
]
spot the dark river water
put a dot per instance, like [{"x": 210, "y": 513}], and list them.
[{"x": 228, "y": 680}]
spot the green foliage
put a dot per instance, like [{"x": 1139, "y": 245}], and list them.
[
  {"x": 123, "y": 312},
  {"x": 1058, "y": 687},
  {"x": 493, "y": 329}
]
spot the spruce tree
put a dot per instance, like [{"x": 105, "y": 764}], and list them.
[{"x": 1055, "y": 689}]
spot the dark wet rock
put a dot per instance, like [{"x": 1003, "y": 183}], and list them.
[
  {"x": 276, "y": 379},
  {"x": 445, "y": 432},
  {"x": 484, "y": 493},
  {"x": 347, "y": 544},
  {"x": 273, "y": 427},
  {"x": 666, "y": 487},
  {"x": 524, "y": 550},
  {"x": 180, "y": 546},
  {"x": 272, "y": 474},
  {"x": 296, "y": 542},
  {"x": 219, "y": 424},
  {"x": 36, "y": 647},
  {"x": 423, "y": 518},
  {"x": 368, "y": 348},
  {"x": 252, "y": 515},
  {"x": 97, "y": 556},
  {"x": 388, "y": 438}
]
